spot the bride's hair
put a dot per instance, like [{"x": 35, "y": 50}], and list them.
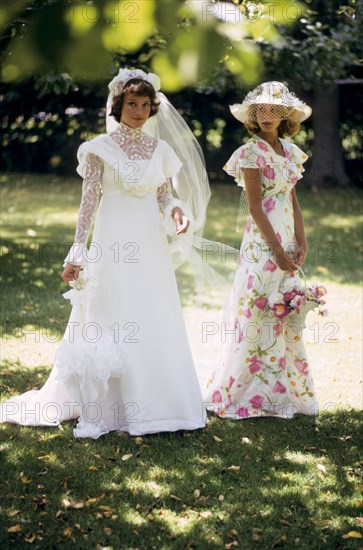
[{"x": 138, "y": 87}]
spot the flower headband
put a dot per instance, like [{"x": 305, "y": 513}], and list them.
[{"x": 125, "y": 75}]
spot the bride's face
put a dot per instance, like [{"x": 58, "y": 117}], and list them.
[{"x": 135, "y": 110}]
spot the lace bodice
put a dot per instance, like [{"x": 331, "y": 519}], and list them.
[
  {"x": 134, "y": 142},
  {"x": 137, "y": 146}
]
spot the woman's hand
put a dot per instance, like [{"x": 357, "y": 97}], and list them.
[
  {"x": 71, "y": 272},
  {"x": 284, "y": 260},
  {"x": 182, "y": 222},
  {"x": 301, "y": 253}
]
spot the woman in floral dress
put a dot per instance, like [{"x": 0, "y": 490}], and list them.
[{"x": 265, "y": 371}]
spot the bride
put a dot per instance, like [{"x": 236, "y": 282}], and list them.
[{"x": 125, "y": 363}]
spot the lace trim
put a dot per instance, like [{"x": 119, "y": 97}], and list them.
[
  {"x": 164, "y": 195},
  {"x": 134, "y": 142},
  {"x": 92, "y": 176}
]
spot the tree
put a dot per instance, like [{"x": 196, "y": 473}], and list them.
[{"x": 318, "y": 50}]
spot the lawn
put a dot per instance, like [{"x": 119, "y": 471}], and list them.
[{"x": 259, "y": 483}]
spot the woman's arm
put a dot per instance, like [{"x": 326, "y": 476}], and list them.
[
  {"x": 89, "y": 203},
  {"x": 299, "y": 230},
  {"x": 254, "y": 196},
  {"x": 167, "y": 202}
]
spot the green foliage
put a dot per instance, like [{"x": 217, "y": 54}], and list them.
[
  {"x": 320, "y": 47},
  {"x": 81, "y": 38}
]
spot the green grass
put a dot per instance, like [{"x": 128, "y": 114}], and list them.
[{"x": 261, "y": 483}]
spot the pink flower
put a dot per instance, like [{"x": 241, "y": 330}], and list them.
[
  {"x": 288, "y": 296},
  {"x": 242, "y": 412},
  {"x": 261, "y": 302},
  {"x": 257, "y": 401},
  {"x": 280, "y": 310},
  {"x": 231, "y": 381},
  {"x": 269, "y": 266},
  {"x": 262, "y": 145},
  {"x": 282, "y": 363},
  {"x": 217, "y": 397},
  {"x": 260, "y": 161},
  {"x": 269, "y": 172},
  {"x": 247, "y": 313},
  {"x": 269, "y": 205},
  {"x": 278, "y": 328},
  {"x": 251, "y": 278},
  {"x": 255, "y": 364},
  {"x": 279, "y": 388},
  {"x": 301, "y": 366}
]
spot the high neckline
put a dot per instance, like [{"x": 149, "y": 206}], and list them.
[{"x": 133, "y": 133}]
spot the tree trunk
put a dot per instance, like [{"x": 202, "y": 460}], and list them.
[{"x": 327, "y": 166}]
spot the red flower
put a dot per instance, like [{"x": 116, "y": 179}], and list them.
[
  {"x": 250, "y": 281},
  {"x": 280, "y": 310},
  {"x": 262, "y": 145},
  {"x": 217, "y": 397},
  {"x": 269, "y": 172},
  {"x": 302, "y": 366},
  {"x": 255, "y": 364},
  {"x": 242, "y": 412},
  {"x": 261, "y": 302},
  {"x": 260, "y": 161},
  {"x": 269, "y": 266},
  {"x": 282, "y": 363},
  {"x": 278, "y": 388},
  {"x": 257, "y": 401}
]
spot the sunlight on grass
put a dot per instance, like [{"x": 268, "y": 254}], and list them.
[{"x": 249, "y": 484}]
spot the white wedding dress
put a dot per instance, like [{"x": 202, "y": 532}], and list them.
[{"x": 125, "y": 362}]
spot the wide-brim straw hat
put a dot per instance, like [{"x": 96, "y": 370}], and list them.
[{"x": 271, "y": 93}]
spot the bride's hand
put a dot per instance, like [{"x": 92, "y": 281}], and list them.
[
  {"x": 182, "y": 222},
  {"x": 71, "y": 272}
]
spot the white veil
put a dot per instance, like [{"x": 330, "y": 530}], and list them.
[{"x": 190, "y": 185}]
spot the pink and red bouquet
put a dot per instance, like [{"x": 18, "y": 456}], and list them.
[{"x": 293, "y": 297}]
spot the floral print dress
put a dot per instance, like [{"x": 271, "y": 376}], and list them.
[{"x": 264, "y": 370}]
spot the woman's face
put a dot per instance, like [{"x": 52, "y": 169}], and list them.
[
  {"x": 268, "y": 117},
  {"x": 135, "y": 110}
]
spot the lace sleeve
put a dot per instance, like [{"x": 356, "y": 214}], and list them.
[
  {"x": 92, "y": 175},
  {"x": 164, "y": 196},
  {"x": 166, "y": 203}
]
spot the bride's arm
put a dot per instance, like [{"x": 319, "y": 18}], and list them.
[
  {"x": 76, "y": 257},
  {"x": 170, "y": 206}
]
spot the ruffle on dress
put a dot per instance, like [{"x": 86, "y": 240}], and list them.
[
  {"x": 139, "y": 177},
  {"x": 258, "y": 154},
  {"x": 86, "y": 369}
]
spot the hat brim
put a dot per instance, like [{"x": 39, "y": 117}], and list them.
[{"x": 240, "y": 111}]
